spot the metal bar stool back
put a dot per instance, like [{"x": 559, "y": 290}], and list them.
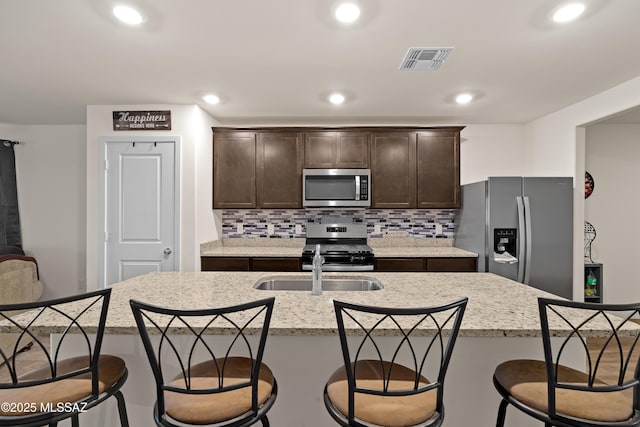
[
  {"x": 395, "y": 361},
  {"x": 205, "y": 380},
  {"x": 59, "y": 387},
  {"x": 601, "y": 392}
]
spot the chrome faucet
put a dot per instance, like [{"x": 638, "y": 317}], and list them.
[{"x": 316, "y": 284}]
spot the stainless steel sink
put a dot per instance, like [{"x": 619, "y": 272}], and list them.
[{"x": 328, "y": 284}]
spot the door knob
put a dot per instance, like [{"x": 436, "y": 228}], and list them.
[{"x": 167, "y": 251}]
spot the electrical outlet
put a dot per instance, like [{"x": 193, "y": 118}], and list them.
[
  {"x": 438, "y": 229},
  {"x": 377, "y": 229},
  {"x": 239, "y": 228},
  {"x": 298, "y": 228},
  {"x": 270, "y": 229}
]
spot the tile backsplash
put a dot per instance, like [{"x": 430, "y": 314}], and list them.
[{"x": 289, "y": 223}]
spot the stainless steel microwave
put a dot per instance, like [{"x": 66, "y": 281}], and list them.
[{"x": 347, "y": 188}]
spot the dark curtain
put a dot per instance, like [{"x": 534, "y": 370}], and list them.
[{"x": 9, "y": 216}]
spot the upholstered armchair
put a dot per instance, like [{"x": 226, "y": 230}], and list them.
[{"x": 19, "y": 282}]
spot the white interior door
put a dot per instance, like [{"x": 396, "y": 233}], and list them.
[{"x": 140, "y": 212}]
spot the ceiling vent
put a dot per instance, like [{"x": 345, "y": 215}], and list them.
[{"x": 424, "y": 58}]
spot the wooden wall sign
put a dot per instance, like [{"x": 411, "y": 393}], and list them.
[{"x": 142, "y": 120}]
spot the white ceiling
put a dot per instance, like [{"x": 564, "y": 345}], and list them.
[{"x": 275, "y": 61}]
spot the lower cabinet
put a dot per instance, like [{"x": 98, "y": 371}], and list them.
[
  {"x": 452, "y": 265},
  {"x": 276, "y": 264},
  {"x": 380, "y": 264},
  {"x": 225, "y": 264},
  {"x": 250, "y": 264},
  {"x": 426, "y": 264},
  {"x": 400, "y": 264}
]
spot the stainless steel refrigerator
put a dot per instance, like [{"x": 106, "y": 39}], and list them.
[{"x": 522, "y": 229}]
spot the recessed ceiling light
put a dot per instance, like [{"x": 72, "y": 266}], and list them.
[
  {"x": 336, "y": 98},
  {"x": 568, "y": 12},
  {"x": 347, "y": 12},
  {"x": 128, "y": 15},
  {"x": 211, "y": 99},
  {"x": 464, "y": 98}
]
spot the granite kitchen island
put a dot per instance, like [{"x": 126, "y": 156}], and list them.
[{"x": 500, "y": 323}]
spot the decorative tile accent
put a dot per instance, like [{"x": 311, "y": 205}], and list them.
[{"x": 416, "y": 223}]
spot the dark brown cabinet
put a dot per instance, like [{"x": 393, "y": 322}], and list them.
[
  {"x": 276, "y": 264},
  {"x": 211, "y": 263},
  {"x": 400, "y": 264},
  {"x": 336, "y": 149},
  {"x": 419, "y": 168},
  {"x": 260, "y": 169},
  {"x": 279, "y": 170},
  {"x": 447, "y": 264},
  {"x": 225, "y": 264},
  {"x": 444, "y": 264},
  {"x": 438, "y": 169},
  {"x": 410, "y": 167},
  {"x": 456, "y": 265},
  {"x": 234, "y": 170},
  {"x": 393, "y": 170}
]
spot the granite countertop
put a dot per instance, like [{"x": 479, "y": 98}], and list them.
[
  {"x": 497, "y": 307},
  {"x": 422, "y": 252},
  {"x": 382, "y": 248},
  {"x": 253, "y": 251}
]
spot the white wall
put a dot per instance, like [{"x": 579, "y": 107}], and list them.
[
  {"x": 194, "y": 127},
  {"x": 50, "y": 171},
  {"x": 612, "y": 158},
  {"x": 208, "y": 221},
  {"x": 490, "y": 150},
  {"x": 554, "y": 145}
]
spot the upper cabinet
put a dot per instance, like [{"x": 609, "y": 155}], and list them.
[
  {"x": 234, "y": 170},
  {"x": 393, "y": 170},
  {"x": 336, "y": 149},
  {"x": 410, "y": 167},
  {"x": 279, "y": 170},
  {"x": 438, "y": 168},
  {"x": 416, "y": 168},
  {"x": 257, "y": 169}
]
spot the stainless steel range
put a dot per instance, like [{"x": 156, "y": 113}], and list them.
[{"x": 343, "y": 246}]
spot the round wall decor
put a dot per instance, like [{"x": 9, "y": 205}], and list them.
[{"x": 589, "y": 184}]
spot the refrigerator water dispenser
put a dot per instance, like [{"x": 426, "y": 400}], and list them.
[
  {"x": 504, "y": 239},
  {"x": 504, "y": 245}
]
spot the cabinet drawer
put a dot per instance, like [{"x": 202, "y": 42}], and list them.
[
  {"x": 400, "y": 264},
  {"x": 224, "y": 264},
  {"x": 276, "y": 264},
  {"x": 451, "y": 264}
]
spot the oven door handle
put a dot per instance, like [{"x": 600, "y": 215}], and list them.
[
  {"x": 339, "y": 267},
  {"x": 357, "y": 187}
]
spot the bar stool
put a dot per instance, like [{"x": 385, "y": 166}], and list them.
[
  {"x": 62, "y": 388},
  {"x": 221, "y": 383},
  {"x": 559, "y": 395},
  {"x": 385, "y": 385}
]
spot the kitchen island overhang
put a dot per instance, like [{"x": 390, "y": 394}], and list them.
[{"x": 501, "y": 322}]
